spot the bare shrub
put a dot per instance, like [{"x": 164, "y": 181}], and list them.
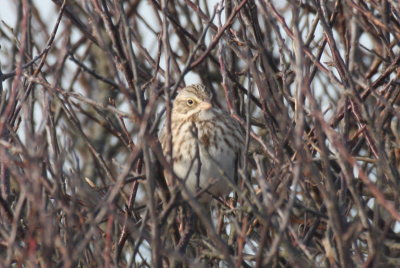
[{"x": 85, "y": 88}]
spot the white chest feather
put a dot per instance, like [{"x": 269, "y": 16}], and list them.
[{"x": 205, "y": 158}]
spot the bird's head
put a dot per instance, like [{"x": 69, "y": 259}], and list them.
[{"x": 193, "y": 100}]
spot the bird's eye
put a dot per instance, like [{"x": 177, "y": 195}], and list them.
[{"x": 190, "y": 102}]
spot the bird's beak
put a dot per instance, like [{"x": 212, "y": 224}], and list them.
[{"x": 204, "y": 105}]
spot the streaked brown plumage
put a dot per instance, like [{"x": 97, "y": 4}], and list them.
[{"x": 202, "y": 134}]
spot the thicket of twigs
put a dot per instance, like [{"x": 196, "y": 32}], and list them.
[{"x": 84, "y": 90}]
